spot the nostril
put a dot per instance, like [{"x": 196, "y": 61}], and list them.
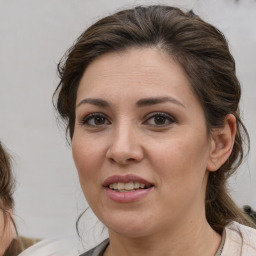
[
  {"x": 130, "y": 159},
  {"x": 122, "y": 161}
]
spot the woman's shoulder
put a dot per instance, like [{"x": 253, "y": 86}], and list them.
[
  {"x": 239, "y": 240},
  {"x": 246, "y": 233}
]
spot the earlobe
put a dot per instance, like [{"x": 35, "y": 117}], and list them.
[{"x": 222, "y": 142}]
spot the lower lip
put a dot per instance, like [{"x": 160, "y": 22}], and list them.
[{"x": 126, "y": 197}]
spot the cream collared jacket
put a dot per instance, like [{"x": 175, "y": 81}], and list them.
[{"x": 239, "y": 240}]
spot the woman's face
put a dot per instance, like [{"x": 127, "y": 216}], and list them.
[{"x": 140, "y": 143}]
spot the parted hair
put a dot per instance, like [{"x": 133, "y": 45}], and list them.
[{"x": 203, "y": 52}]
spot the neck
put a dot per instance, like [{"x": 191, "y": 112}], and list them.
[{"x": 187, "y": 238}]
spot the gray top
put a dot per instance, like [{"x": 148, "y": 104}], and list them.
[{"x": 98, "y": 250}]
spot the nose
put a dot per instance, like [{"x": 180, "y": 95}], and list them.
[{"x": 125, "y": 146}]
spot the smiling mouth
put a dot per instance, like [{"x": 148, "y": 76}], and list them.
[{"x": 128, "y": 186}]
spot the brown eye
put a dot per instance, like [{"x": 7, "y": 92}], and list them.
[
  {"x": 99, "y": 120},
  {"x": 160, "y": 119},
  {"x": 95, "y": 119}
]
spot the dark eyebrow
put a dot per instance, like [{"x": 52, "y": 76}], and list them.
[
  {"x": 157, "y": 100},
  {"x": 96, "y": 102}
]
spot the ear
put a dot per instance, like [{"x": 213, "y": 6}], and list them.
[{"x": 222, "y": 142}]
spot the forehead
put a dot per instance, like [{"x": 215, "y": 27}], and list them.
[{"x": 147, "y": 71}]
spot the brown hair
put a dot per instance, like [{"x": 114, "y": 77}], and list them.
[
  {"x": 6, "y": 185},
  {"x": 203, "y": 52}
]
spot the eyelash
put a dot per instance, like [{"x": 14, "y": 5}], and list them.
[
  {"x": 93, "y": 116},
  {"x": 167, "y": 117},
  {"x": 88, "y": 118}
]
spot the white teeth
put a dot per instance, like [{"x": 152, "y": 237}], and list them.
[
  {"x": 128, "y": 186},
  {"x": 136, "y": 185},
  {"x": 120, "y": 186}
]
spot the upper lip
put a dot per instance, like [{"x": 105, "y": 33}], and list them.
[{"x": 125, "y": 179}]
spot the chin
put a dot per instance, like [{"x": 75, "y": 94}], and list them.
[
  {"x": 131, "y": 225},
  {"x": 129, "y": 232}
]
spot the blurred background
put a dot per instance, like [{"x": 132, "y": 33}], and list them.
[{"x": 34, "y": 35}]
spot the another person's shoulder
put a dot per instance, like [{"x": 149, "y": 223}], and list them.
[
  {"x": 239, "y": 240},
  {"x": 62, "y": 246}
]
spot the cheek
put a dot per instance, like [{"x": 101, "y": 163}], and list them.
[
  {"x": 87, "y": 161},
  {"x": 181, "y": 161},
  {"x": 87, "y": 158},
  {"x": 181, "y": 174}
]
